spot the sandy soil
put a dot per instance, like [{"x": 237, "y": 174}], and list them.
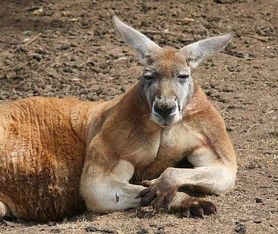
[{"x": 69, "y": 48}]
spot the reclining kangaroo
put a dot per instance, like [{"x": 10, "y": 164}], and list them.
[{"x": 57, "y": 153}]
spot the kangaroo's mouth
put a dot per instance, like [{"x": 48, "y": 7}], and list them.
[
  {"x": 165, "y": 114},
  {"x": 165, "y": 121}
]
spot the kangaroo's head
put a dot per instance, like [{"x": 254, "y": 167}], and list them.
[{"x": 167, "y": 84}]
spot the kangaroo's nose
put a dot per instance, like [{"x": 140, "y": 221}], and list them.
[{"x": 164, "y": 111}]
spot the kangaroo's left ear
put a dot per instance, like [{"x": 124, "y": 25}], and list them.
[{"x": 199, "y": 50}]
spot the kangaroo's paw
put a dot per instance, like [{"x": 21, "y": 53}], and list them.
[{"x": 196, "y": 207}]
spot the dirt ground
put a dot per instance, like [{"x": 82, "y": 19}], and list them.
[{"x": 69, "y": 48}]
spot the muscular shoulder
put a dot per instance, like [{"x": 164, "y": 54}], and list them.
[
  {"x": 200, "y": 111},
  {"x": 202, "y": 116}
]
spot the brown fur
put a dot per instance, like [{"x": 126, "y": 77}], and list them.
[
  {"x": 43, "y": 147},
  {"x": 168, "y": 60},
  {"x": 41, "y": 157}
]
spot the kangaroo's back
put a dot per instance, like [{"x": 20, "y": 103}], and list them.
[{"x": 41, "y": 157}]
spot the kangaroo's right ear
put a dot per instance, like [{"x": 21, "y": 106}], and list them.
[
  {"x": 201, "y": 49},
  {"x": 144, "y": 46}
]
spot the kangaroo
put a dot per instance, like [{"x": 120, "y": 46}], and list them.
[{"x": 60, "y": 156}]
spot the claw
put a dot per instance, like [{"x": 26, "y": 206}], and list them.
[
  {"x": 169, "y": 199},
  {"x": 196, "y": 210},
  {"x": 143, "y": 193},
  {"x": 208, "y": 207},
  {"x": 158, "y": 202},
  {"x": 146, "y": 183},
  {"x": 185, "y": 212},
  {"x": 147, "y": 199}
]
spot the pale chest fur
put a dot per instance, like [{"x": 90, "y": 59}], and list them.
[{"x": 168, "y": 148}]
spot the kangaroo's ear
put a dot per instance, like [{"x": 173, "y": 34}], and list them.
[
  {"x": 144, "y": 46},
  {"x": 199, "y": 50}
]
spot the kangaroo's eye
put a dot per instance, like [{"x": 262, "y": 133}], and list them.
[
  {"x": 183, "y": 77},
  {"x": 148, "y": 76}
]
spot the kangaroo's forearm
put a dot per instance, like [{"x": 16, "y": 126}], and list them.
[{"x": 212, "y": 179}]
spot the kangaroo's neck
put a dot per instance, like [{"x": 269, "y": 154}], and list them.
[
  {"x": 197, "y": 103},
  {"x": 135, "y": 98},
  {"x": 129, "y": 109},
  {"x": 132, "y": 111}
]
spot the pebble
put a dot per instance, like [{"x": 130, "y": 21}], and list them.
[
  {"x": 91, "y": 229},
  {"x": 225, "y": 1},
  {"x": 244, "y": 220},
  {"x": 55, "y": 230},
  {"x": 257, "y": 221},
  {"x": 240, "y": 228},
  {"x": 223, "y": 100},
  {"x": 64, "y": 47},
  {"x": 41, "y": 51},
  {"x": 231, "y": 107},
  {"x": 259, "y": 200},
  {"x": 227, "y": 90},
  {"x": 264, "y": 31},
  {"x": 34, "y": 8},
  {"x": 68, "y": 70},
  {"x": 142, "y": 231},
  {"x": 252, "y": 165},
  {"x": 160, "y": 230},
  {"x": 208, "y": 93},
  {"x": 230, "y": 129},
  {"x": 38, "y": 57},
  {"x": 236, "y": 54},
  {"x": 95, "y": 229}
]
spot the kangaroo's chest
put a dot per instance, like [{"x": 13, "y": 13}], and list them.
[
  {"x": 177, "y": 140},
  {"x": 176, "y": 143}
]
